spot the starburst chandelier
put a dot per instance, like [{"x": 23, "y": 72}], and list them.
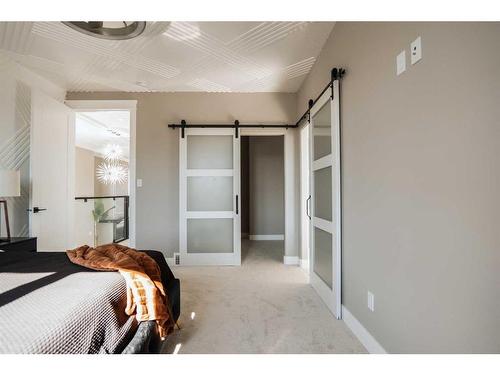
[
  {"x": 112, "y": 172},
  {"x": 109, "y": 174},
  {"x": 112, "y": 152}
]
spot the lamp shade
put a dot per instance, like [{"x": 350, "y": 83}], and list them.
[{"x": 10, "y": 183}]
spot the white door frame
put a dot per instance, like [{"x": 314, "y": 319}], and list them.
[
  {"x": 291, "y": 234},
  {"x": 117, "y": 105},
  {"x": 305, "y": 195},
  {"x": 222, "y": 259},
  {"x": 331, "y": 297}
]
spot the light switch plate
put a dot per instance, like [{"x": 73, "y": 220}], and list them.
[
  {"x": 416, "y": 50},
  {"x": 139, "y": 182},
  {"x": 401, "y": 63},
  {"x": 371, "y": 301}
]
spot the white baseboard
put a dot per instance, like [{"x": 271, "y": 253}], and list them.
[
  {"x": 267, "y": 237},
  {"x": 361, "y": 333},
  {"x": 304, "y": 263},
  {"x": 291, "y": 261}
]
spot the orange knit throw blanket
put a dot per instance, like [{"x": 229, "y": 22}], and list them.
[{"x": 146, "y": 297}]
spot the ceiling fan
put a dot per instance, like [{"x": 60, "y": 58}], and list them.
[{"x": 112, "y": 30}]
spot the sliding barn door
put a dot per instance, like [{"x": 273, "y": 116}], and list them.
[
  {"x": 209, "y": 197},
  {"x": 325, "y": 268}
]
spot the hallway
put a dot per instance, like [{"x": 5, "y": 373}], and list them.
[{"x": 261, "y": 307}]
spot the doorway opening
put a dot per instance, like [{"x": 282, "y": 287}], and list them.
[
  {"x": 262, "y": 197},
  {"x": 102, "y": 188}
]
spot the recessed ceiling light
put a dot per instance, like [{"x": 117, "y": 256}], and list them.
[{"x": 109, "y": 30}]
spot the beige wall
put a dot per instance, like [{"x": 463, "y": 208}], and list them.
[
  {"x": 266, "y": 185},
  {"x": 158, "y": 148},
  {"x": 84, "y": 172},
  {"x": 84, "y": 187},
  {"x": 421, "y": 176}
]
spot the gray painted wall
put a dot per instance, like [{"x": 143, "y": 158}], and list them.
[
  {"x": 158, "y": 147},
  {"x": 266, "y": 185},
  {"x": 421, "y": 176}
]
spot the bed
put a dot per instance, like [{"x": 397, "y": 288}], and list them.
[{"x": 50, "y": 305}]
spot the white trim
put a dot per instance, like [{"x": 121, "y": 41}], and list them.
[
  {"x": 291, "y": 196},
  {"x": 209, "y": 172},
  {"x": 368, "y": 341},
  {"x": 209, "y": 215},
  {"x": 304, "y": 263},
  {"x": 102, "y": 105},
  {"x": 324, "y": 162},
  {"x": 70, "y": 178},
  {"x": 304, "y": 221},
  {"x": 323, "y": 224},
  {"x": 266, "y": 237},
  {"x": 291, "y": 261},
  {"x": 209, "y": 131},
  {"x": 337, "y": 199},
  {"x": 262, "y": 131},
  {"x": 131, "y": 106}
]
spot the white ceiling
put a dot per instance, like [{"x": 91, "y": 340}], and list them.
[
  {"x": 171, "y": 56},
  {"x": 95, "y": 130}
]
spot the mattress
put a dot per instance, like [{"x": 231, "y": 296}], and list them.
[{"x": 50, "y": 305}]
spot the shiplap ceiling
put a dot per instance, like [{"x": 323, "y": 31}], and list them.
[{"x": 171, "y": 56}]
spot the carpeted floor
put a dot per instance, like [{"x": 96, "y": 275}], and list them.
[{"x": 261, "y": 307}]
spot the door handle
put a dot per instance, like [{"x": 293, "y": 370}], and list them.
[
  {"x": 237, "y": 210},
  {"x": 308, "y": 200},
  {"x": 37, "y": 209}
]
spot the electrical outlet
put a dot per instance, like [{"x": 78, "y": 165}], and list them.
[
  {"x": 371, "y": 301},
  {"x": 416, "y": 50},
  {"x": 401, "y": 62},
  {"x": 139, "y": 182}
]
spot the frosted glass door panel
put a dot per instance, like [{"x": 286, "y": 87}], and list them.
[
  {"x": 209, "y": 193},
  {"x": 323, "y": 256},
  {"x": 323, "y": 193},
  {"x": 322, "y": 132},
  {"x": 210, "y": 236},
  {"x": 325, "y": 272},
  {"x": 209, "y": 152}
]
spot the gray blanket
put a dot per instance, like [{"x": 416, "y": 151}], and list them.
[{"x": 50, "y": 305}]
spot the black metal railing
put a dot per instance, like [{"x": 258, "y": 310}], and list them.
[{"x": 107, "y": 212}]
